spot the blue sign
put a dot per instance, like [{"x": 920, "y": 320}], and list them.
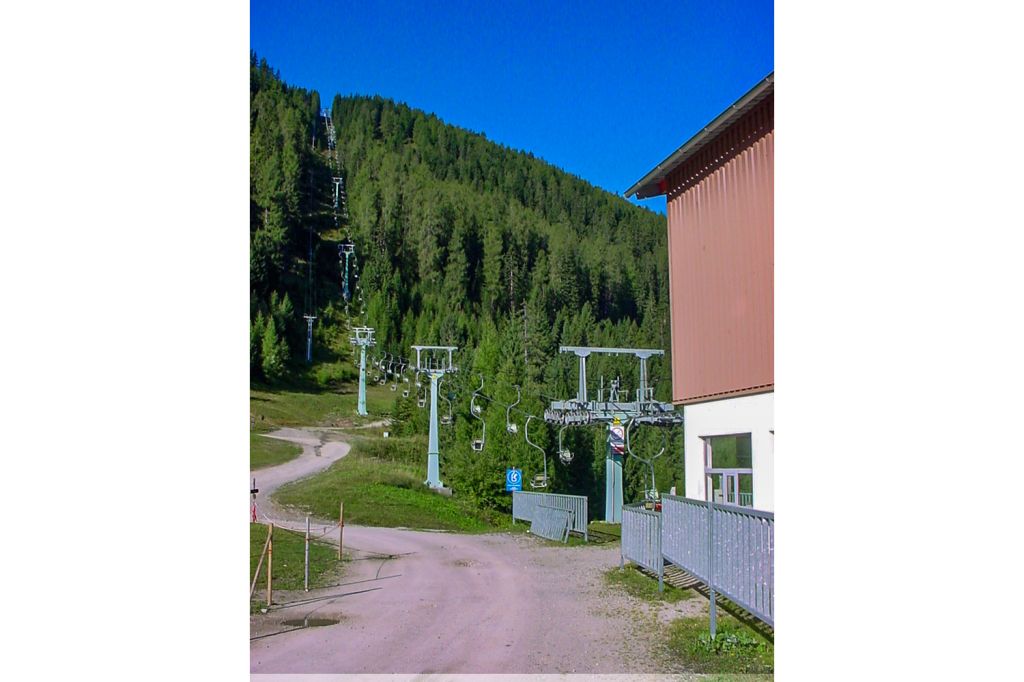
[{"x": 513, "y": 480}]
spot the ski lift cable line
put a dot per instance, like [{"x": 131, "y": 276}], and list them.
[{"x": 550, "y": 398}]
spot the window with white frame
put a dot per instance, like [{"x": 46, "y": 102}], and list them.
[{"x": 728, "y": 460}]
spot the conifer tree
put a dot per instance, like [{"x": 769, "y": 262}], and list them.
[{"x": 273, "y": 351}]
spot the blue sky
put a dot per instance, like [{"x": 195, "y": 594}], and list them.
[{"x": 602, "y": 90}]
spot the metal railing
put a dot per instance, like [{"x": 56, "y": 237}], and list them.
[
  {"x": 551, "y": 523},
  {"x": 524, "y": 505},
  {"x": 746, "y": 499},
  {"x": 743, "y": 551},
  {"x": 641, "y": 540}
]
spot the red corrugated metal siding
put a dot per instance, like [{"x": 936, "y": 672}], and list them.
[{"x": 721, "y": 263}]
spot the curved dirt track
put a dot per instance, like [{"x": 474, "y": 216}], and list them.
[
  {"x": 429, "y": 602},
  {"x": 316, "y": 456}
]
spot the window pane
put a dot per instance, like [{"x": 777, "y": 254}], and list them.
[{"x": 731, "y": 452}]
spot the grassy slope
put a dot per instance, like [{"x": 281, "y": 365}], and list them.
[
  {"x": 384, "y": 491},
  {"x": 266, "y": 452},
  {"x": 305, "y": 406}
]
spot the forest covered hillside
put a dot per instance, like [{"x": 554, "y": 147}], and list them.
[{"x": 458, "y": 241}]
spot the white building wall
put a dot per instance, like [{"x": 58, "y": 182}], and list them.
[{"x": 753, "y": 414}]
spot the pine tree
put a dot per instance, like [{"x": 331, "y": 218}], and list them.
[
  {"x": 273, "y": 351},
  {"x": 256, "y": 329}
]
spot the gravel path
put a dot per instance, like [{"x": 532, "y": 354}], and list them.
[{"x": 451, "y": 603}]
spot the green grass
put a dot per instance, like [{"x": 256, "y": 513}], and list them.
[
  {"x": 606, "y": 528},
  {"x": 289, "y": 561},
  {"x": 266, "y": 452},
  {"x": 643, "y": 586},
  {"x": 737, "y": 649},
  {"x": 313, "y": 407},
  {"x": 385, "y": 492}
]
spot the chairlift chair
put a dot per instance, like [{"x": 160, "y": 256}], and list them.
[
  {"x": 510, "y": 425},
  {"x": 652, "y": 498},
  {"x": 421, "y": 400},
  {"x": 564, "y": 454},
  {"x": 446, "y": 419},
  {"x": 476, "y": 410},
  {"x": 539, "y": 480}
]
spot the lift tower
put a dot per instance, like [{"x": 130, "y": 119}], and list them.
[
  {"x": 431, "y": 360},
  {"x": 612, "y": 412},
  {"x": 309, "y": 336},
  {"x": 362, "y": 337}
]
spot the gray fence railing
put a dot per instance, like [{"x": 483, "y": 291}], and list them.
[
  {"x": 641, "y": 540},
  {"x": 551, "y": 523},
  {"x": 744, "y": 550},
  {"x": 524, "y": 505}
]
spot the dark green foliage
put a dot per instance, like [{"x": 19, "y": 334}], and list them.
[
  {"x": 273, "y": 352},
  {"x": 334, "y": 375},
  {"x": 465, "y": 242},
  {"x": 257, "y": 325}
]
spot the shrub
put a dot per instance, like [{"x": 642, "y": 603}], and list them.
[{"x": 334, "y": 374}]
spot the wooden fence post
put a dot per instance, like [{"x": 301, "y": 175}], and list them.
[{"x": 259, "y": 565}]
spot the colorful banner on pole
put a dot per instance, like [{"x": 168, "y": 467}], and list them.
[{"x": 617, "y": 438}]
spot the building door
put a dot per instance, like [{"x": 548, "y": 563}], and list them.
[{"x": 731, "y": 488}]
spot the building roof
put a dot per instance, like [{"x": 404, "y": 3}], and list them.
[{"x": 653, "y": 184}]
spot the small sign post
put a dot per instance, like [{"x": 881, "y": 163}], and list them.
[
  {"x": 252, "y": 491},
  {"x": 513, "y": 480}
]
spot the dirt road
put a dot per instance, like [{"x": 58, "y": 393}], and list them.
[
  {"x": 451, "y": 603},
  {"x": 317, "y": 455}
]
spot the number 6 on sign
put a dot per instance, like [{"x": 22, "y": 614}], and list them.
[{"x": 513, "y": 480}]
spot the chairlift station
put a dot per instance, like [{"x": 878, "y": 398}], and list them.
[{"x": 581, "y": 411}]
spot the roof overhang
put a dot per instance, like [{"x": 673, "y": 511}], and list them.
[{"x": 654, "y": 183}]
